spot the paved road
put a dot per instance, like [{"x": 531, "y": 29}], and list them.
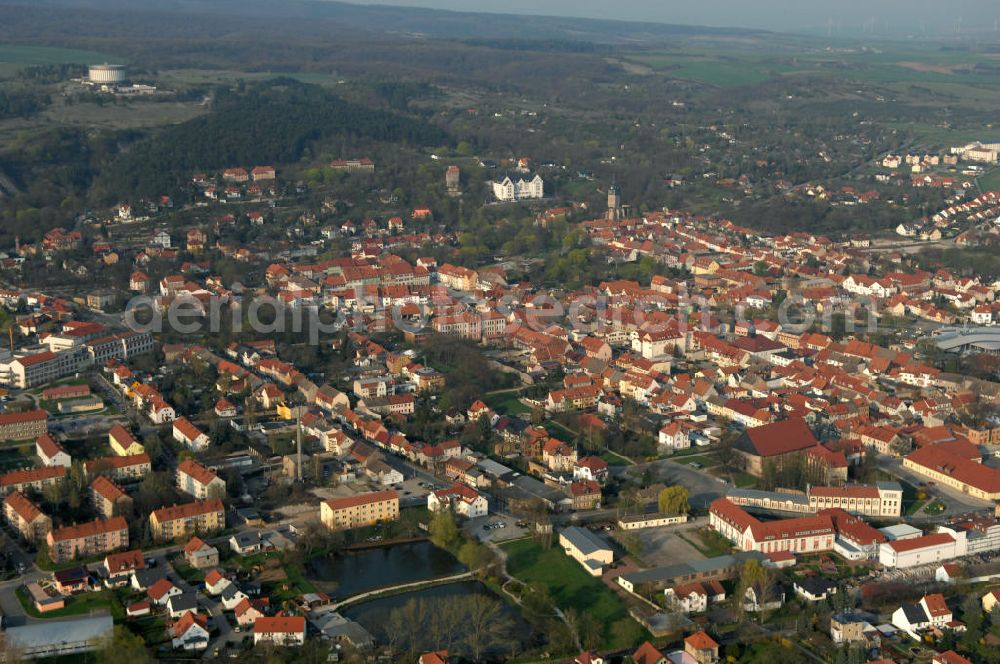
[
  {"x": 702, "y": 487},
  {"x": 403, "y": 586},
  {"x": 955, "y": 501},
  {"x": 211, "y": 606}
]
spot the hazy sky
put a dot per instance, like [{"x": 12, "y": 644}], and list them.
[{"x": 896, "y": 16}]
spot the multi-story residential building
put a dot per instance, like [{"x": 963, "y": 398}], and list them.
[
  {"x": 199, "y": 481},
  {"x": 109, "y": 499},
  {"x": 466, "y": 325},
  {"x": 87, "y": 539},
  {"x": 120, "y": 468},
  {"x": 31, "y": 478},
  {"x": 204, "y": 516},
  {"x": 458, "y": 277},
  {"x": 573, "y": 398},
  {"x": 25, "y": 517},
  {"x": 51, "y": 452},
  {"x": 123, "y": 346},
  {"x": 28, "y": 425},
  {"x": 188, "y": 434},
  {"x": 377, "y": 387},
  {"x": 123, "y": 443},
  {"x": 41, "y": 367},
  {"x": 361, "y": 510}
]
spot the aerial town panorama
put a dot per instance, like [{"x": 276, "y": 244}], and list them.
[{"x": 338, "y": 332}]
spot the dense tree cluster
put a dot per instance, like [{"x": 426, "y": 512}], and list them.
[{"x": 268, "y": 123}]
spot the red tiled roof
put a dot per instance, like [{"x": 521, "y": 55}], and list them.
[
  {"x": 26, "y": 416},
  {"x": 935, "y": 539},
  {"x": 198, "y": 472},
  {"x": 844, "y": 491},
  {"x": 160, "y": 588},
  {"x": 213, "y": 577},
  {"x": 24, "y": 508},
  {"x": 27, "y": 475},
  {"x": 107, "y": 489},
  {"x": 187, "y": 621},
  {"x": 950, "y": 657},
  {"x": 89, "y": 529},
  {"x": 186, "y": 429},
  {"x": 121, "y": 435},
  {"x": 941, "y": 460},
  {"x": 362, "y": 499},
  {"x": 48, "y": 445},
  {"x": 647, "y": 654},
  {"x": 280, "y": 624},
  {"x": 37, "y": 358},
  {"x": 126, "y": 560},
  {"x": 115, "y": 462},
  {"x": 701, "y": 641},
  {"x": 781, "y": 437},
  {"x": 187, "y": 510},
  {"x": 194, "y": 544}
]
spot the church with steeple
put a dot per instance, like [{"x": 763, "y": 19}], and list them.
[{"x": 616, "y": 210}]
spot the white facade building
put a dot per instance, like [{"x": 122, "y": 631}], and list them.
[{"x": 520, "y": 189}]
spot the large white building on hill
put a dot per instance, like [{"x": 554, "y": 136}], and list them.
[{"x": 519, "y": 189}]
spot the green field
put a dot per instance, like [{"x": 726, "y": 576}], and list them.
[
  {"x": 890, "y": 65},
  {"x": 570, "y": 586},
  {"x": 990, "y": 181},
  {"x": 723, "y": 71}
]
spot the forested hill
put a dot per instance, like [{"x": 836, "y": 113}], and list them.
[
  {"x": 268, "y": 123},
  {"x": 313, "y": 16}
]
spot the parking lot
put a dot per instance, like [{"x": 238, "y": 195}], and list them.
[
  {"x": 663, "y": 546},
  {"x": 491, "y": 532}
]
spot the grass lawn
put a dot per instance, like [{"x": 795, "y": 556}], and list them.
[
  {"x": 737, "y": 477},
  {"x": 190, "y": 574},
  {"x": 44, "y": 562},
  {"x": 13, "y": 458},
  {"x": 152, "y": 629},
  {"x": 708, "y": 542},
  {"x": 570, "y": 586},
  {"x": 297, "y": 578},
  {"x": 614, "y": 459},
  {"x": 935, "y": 507},
  {"x": 990, "y": 181},
  {"x": 507, "y": 403},
  {"x": 557, "y": 430},
  {"x": 77, "y": 605}
]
